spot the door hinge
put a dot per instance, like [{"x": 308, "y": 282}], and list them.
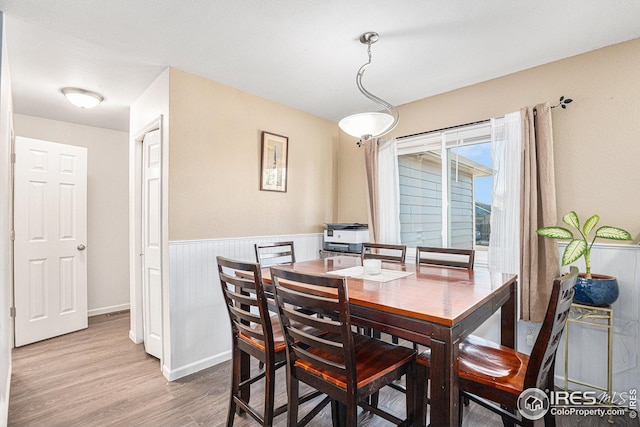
[
  {"x": 12, "y": 312},
  {"x": 12, "y": 235},
  {"x": 13, "y": 157}
]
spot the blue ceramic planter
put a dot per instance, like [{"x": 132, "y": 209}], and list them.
[{"x": 598, "y": 291}]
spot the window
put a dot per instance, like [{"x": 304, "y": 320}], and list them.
[{"x": 445, "y": 188}]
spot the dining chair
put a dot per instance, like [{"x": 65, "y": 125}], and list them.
[
  {"x": 494, "y": 376},
  {"x": 255, "y": 333},
  {"x": 445, "y": 257},
  {"x": 275, "y": 253},
  {"x": 346, "y": 366},
  {"x": 384, "y": 252}
]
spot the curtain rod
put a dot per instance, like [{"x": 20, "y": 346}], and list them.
[
  {"x": 443, "y": 129},
  {"x": 562, "y": 103}
]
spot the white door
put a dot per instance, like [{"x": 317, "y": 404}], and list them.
[
  {"x": 151, "y": 243},
  {"x": 50, "y": 258}
]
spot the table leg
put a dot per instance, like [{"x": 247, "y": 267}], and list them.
[
  {"x": 444, "y": 384},
  {"x": 508, "y": 318}
]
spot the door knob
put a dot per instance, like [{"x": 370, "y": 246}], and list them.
[{"x": 81, "y": 247}]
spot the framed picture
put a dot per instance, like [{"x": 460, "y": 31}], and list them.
[{"x": 275, "y": 151}]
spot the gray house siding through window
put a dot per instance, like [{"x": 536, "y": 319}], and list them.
[
  {"x": 461, "y": 210},
  {"x": 421, "y": 203}
]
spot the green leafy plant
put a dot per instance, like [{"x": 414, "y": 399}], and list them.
[{"x": 580, "y": 246}]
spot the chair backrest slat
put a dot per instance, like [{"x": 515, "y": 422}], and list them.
[
  {"x": 321, "y": 323},
  {"x": 245, "y": 300},
  {"x": 244, "y": 316},
  {"x": 275, "y": 253},
  {"x": 384, "y": 252},
  {"x": 324, "y": 303},
  {"x": 315, "y": 340},
  {"x": 544, "y": 350},
  {"x": 242, "y": 298},
  {"x": 445, "y": 257}
]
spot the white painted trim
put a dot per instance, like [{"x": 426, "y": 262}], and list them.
[
  {"x": 107, "y": 310},
  {"x": 135, "y": 214},
  {"x": 135, "y": 339},
  {"x": 250, "y": 238},
  {"x": 194, "y": 367}
]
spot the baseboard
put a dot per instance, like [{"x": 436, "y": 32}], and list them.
[
  {"x": 132, "y": 337},
  {"x": 174, "y": 374},
  {"x": 559, "y": 381},
  {"x": 106, "y": 310}
]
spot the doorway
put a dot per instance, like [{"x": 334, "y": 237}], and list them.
[
  {"x": 149, "y": 239},
  {"x": 50, "y": 258}
]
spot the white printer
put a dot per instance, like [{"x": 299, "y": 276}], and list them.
[{"x": 347, "y": 237}]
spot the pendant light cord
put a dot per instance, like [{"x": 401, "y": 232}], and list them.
[{"x": 390, "y": 108}]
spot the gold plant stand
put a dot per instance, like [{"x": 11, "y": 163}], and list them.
[{"x": 601, "y": 317}]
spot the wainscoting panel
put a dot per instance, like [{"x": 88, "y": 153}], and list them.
[
  {"x": 200, "y": 331},
  {"x": 588, "y": 345}
]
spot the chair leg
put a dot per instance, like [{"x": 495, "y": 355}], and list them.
[
  {"x": 412, "y": 399},
  {"x": 337, "y": 414},
  {"x": 232, "y": 411},
  {"x": 549, "y": 419},
  {"x": 235, "y": 385},
  {"x": 351, "y": 411},
  {"x": 269, "y": 394},
  {"x": 292, "y": 404}
]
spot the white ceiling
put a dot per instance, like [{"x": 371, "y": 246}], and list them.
[{"x": 301, "y": 53}]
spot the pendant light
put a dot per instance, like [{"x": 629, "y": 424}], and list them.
[{"x": 371, "y": 124}]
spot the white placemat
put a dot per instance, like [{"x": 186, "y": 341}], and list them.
[{"x": 384, "y": 276}]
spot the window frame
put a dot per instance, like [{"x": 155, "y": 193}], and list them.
[{"x": 440, "y": 142}]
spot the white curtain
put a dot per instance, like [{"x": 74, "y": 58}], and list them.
[
  {"x": 388, "y": 192},
  {"x": 504, "y": 244}
]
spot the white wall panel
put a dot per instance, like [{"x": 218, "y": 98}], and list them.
[
  {"x": 588, "y": 345},
  {"x": 200, "y": 329}
]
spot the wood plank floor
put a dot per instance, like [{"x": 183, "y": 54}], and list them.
[{"x": 98, "y": 377}]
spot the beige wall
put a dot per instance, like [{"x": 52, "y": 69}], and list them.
[
  {"x": 597, "y": 138},
  {"x": 214, "y": 164},
  {"x": 107, "y": 205}
]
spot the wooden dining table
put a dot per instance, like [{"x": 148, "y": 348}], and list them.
[{"x": 434, "y": 306}]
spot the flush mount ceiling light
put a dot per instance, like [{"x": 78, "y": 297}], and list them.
[
  {"x": 82, "y": 98},
  {"x": 372, "y": 124}
]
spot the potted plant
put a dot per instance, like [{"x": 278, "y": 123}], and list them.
[{"x": 591, "y": 289}]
